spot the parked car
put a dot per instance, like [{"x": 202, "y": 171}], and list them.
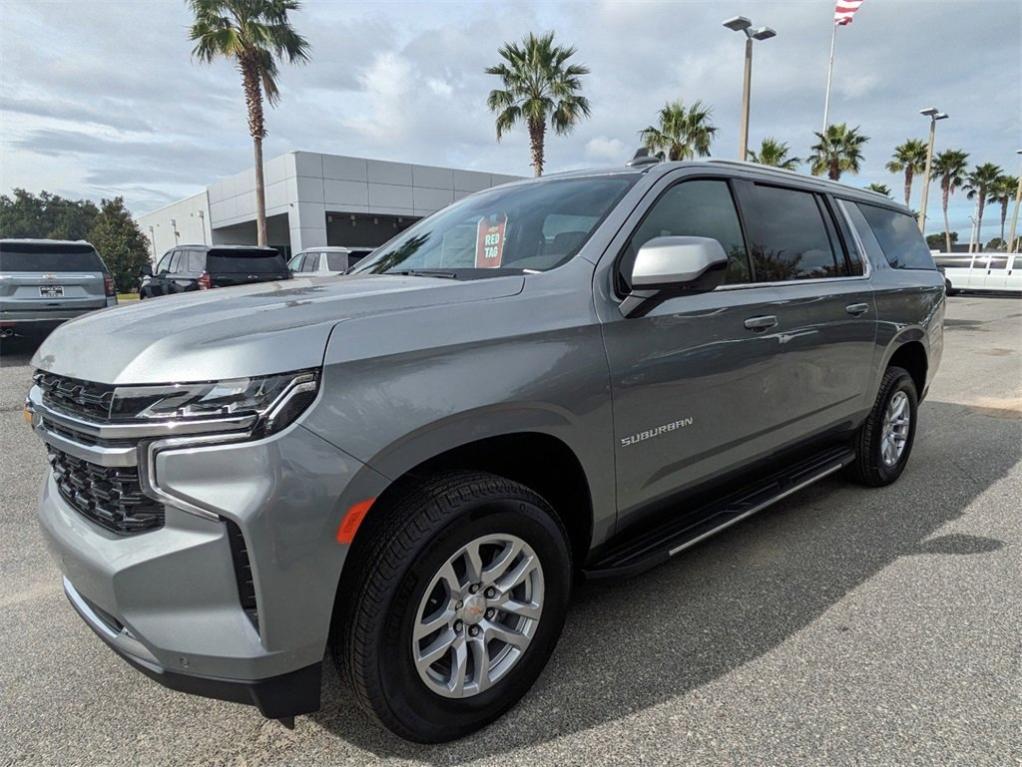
[
  {"x": 1000, "y": 272},
  {"x": 46, "y": 282},
  {"x": 585, "y": 373},
  {"x": 328, "y": 260},
  {"x": 200, "y": 267}
]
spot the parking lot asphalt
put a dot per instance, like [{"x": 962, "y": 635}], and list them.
[{"x": 841, "y": 626}]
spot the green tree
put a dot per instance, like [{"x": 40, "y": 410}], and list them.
[
  {"x": 775, "y": 154},
  {"x": 682, "y": 133},
  {"x": 936, "y": 241},
  {"x": 908, "y": 158},
  {"x": 949, "y": 171},
  {"x": 979, "y": 183},
  {"x": 1002, "y": 194},
  {"x": 120, "y": 242},
  {"x": 539, "y": 85},
  {"x": 880, "y": 188},
  {"x": 47, "y": 216},
  {"x": 837, "y": 151},
  {"x": 255, "y": 35}
]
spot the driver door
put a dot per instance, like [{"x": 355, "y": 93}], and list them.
[{"x": 694, "y": 385}]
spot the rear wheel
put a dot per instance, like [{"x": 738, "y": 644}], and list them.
[
  {"x": 461, "y": 600},
  {"x": 884, "y": 441}
]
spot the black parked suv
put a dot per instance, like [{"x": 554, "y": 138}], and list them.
[{"x": 198, "y": 267}]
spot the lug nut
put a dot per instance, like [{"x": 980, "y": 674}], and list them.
[
  {"x": 473, "y": 588},
  {"x": 458, "y": 605},
  {"x": 457, "y": 627},
  {"x": 491, "y": 593},
  {"x": 490, "y": 613},
  {"x": 474, "y": 631}
]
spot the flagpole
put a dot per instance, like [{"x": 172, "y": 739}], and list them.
[{"x": 830, "y": 75}]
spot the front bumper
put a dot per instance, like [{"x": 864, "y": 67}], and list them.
[
  {"x": 168, "y": 599},
  {"x": 286, "y": 695}
]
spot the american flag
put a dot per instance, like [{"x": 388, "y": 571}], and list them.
[{"x": 844, "y": 10}]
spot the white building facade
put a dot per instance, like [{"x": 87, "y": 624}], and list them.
[{"x": 314, "y": 200}]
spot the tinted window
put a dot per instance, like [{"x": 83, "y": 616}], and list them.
[
  {"x": 196, "y": 261},
  {"x": 245, "y": 261},
  {"x": 696, "y": 209},
  {"x": 899, "y": 237},
  {"x": 506, "y": 228},
  {"x": 164, "y": 265},
  {"x": 175, "y": 261},
  {"x": 336, "y": 262},
  {"x": 869, "y": 242},
  {"x": 311, "y": 262},
  {"x": 787, "y": 235},
  {"x": 295, "y": 264},
  {"x": 30, "y": 257}
]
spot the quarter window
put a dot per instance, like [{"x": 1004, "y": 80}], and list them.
[
  {"x": 899, "y": 237},
  {"x": 336, "y": 262},
  {"x": 787, "y": 235},
  {"x": 700, "y": 208},
  {"x": 195, "y": 261}
]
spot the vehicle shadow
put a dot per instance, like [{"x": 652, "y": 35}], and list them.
[
  {"x": 635, "y": 644},
  {"x": 18, "y": 350}
]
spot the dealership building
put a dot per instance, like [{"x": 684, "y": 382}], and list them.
[{"x": 314, "y": 200}]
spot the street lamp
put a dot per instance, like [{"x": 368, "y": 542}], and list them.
[
  {"x": 1012, "y": 246},
  {"x": 742, "y": 24},
  {"x": 934, "y": 114}
]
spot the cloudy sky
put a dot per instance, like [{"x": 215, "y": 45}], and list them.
[{"x": 100, "y": 97}]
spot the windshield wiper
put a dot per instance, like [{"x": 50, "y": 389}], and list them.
[{"x": 426, "y": 273}]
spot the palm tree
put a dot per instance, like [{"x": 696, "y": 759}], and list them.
[
  {"x": 682, "y": 133},
  {"x": 880, "y": 188},
  {"x": 837, "y": 151},
  {"x": 1002, "y": 194},
  {"x": 775, "y": 154},
  {"x": 909, "y": 158},
  {"x": 979, "y": 183},
  {"x": 255, "y": 35},
  {"x": 949, "y": 167},
  {"x": 538, "y": 85}
]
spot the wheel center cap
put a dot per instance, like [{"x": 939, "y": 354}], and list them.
[{"x": 474, "y": 609}]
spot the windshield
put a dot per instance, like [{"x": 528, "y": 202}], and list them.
[
  {"x": 49, "y": 257},
  {"x": 535, "y": 227}
]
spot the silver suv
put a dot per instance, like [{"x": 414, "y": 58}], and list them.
[
  {"x": 580, "y": 375},
  {"x": 45, "y": 282}
]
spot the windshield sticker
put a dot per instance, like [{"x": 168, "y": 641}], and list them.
[{"x": 490, "y": 241}]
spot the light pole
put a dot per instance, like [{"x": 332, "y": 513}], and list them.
[
  {"x": 934, "y": 114},
  {"x": 742, "y": 24},
  {"x": 1012, "y": 247}
]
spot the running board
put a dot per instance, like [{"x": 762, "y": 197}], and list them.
[{"x": 652, "y": 547}]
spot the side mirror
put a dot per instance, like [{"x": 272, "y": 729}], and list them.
[
  {"x": 670, "y": 266},
  {"x": 146, "y": 270}
]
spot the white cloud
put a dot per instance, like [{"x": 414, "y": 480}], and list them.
[{"x": 603, "y": 148}]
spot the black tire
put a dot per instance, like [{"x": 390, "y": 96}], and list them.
[
  {"x": 869, "y": 467},
  {"x": 949, "y": 288},
  {"x": 426, "y": 525}
]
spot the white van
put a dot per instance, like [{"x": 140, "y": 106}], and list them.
[
  {"x": 981, "y": 271},
  {"x": 328, "y": 259}
]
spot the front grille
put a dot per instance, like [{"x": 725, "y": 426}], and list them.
[
  {"x": 110, "y": 497},
  {"x": 242, "y": 571},
  {"x": 81, "y": 398}
]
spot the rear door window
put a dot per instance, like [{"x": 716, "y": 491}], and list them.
[
  {"x": 699, "y": 208},
  {"x": 336, "y": 262},
  {"x": 788, "y": 236},
  {"x": 245, "y": 262},
  {"x": 175, "y": 261},
  {"x": 196, "y": 261},
  {"x": 47, "y": 257},
  {"x": 899, "y": 237}
]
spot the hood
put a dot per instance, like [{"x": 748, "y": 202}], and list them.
[{"x": 269, "y": 327}]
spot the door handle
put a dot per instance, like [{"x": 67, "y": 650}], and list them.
[
  {"x": 857, "y": 309},
  {"x": 761, "y": 323}
]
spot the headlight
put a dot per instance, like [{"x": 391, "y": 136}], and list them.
[{"x": 277, "y": 399}]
